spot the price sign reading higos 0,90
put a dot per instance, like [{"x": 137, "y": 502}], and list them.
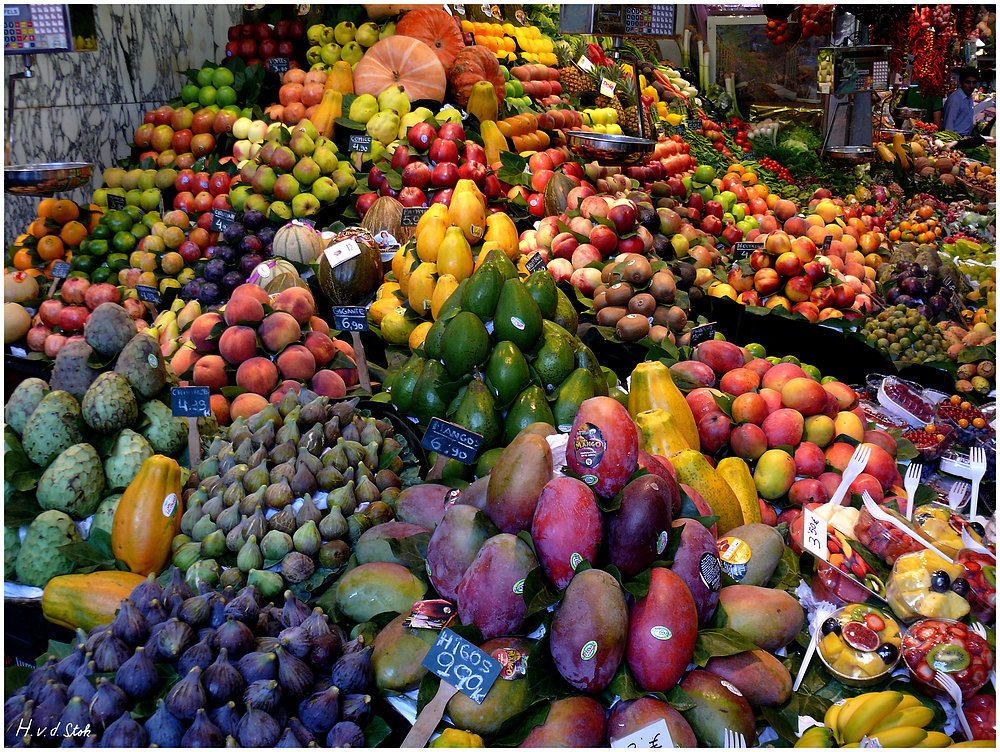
[{"x": 463, "y": 665}]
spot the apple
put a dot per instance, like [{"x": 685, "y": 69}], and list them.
[
  {"x": 421, "y": 135},
  {"x": 218, "y": 183},
  {"x": 604, "y": 239},
  {"x": 473, "y": 152},
  {"x": 444, "y": 175},
  {"x": 443, "y": 149},
  {"x": 474, "y": 171},
  {"x": 492, "y": 189},
  {"x": 416, "y": 174},
  {"x": 451, "y": 132},
  {"x": 202, "y": 144},
  {"x": 401, "y": 157},
  {"x": 364, "y": 203},
  {"x": 375, "y": 178},
  {"x": 442, "y": 196}
]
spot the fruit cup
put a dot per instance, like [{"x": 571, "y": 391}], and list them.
[
  {"x": 945, "y": 645},
  {"x": 981, "y": 574},
  {"x": 886, "y": 541},
  {"x": 923, "y": 584},
  {"x": 860, "y": 644},
  {"x": 943, "y": 527}
]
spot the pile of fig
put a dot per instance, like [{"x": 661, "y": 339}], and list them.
[
  {"x": 176, "y": 668},
  {"x": 283, "y": 496}
]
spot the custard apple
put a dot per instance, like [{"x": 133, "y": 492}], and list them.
[
  {"x": 127, "y": 454},
  {"x": 142, "y": 364},
  {"x": 53, "y": 427},
  {"x": 109, "y": 405},
  {"x": 11, "y": 547},
  {"x": 104, "y": 517},
  {"x": 73, "y": 483},
  {"x": 109, "y": 329},
  {"x": 165, "y": 433},
  {"x": 22, "y": 403},
  {"x": 40, "y": 558},
  {"x": 72, "y": 372}
]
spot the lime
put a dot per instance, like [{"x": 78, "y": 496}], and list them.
[
  {"x": 225, "y": 96},
  {"x": 140, "y": 230},
  {"x": 119, "y": 221},
  {"x": 124, "y": 242},
  {"x": 189, "y": 93},
  {"x": 150, "y": 218},
  {"x": 85, "y": 246},
  {"x": 98, "y": 247},
  {"x": 812, "y": 371},
  {"x": 84, "y": 263},
  {"x": 118, "y": 261},
  {"x": 206, "y": 95},
  {"x": 757, "y": 350},
  {"x": 100, "y": 274},
  {"x": 773, "y": 359},
  {"x": 135, "y": 213},
  {"x": 102, "y": 231},
  {"x": 233, "y": 109},
  {"x": 827, "y": 379},
  {"x": 222, "y": 76},
  {"x": 205, "y": 76},
  {"x": 790, "y": 359},
  {"x": 704, "y": 173}
]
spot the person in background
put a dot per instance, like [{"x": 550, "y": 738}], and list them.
[
  {"x": 933, "y": 106},
  {"x": 958, "y": 107}
]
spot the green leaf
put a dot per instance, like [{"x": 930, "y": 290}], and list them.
[
  {"x": 20, "y": 509},
  {"x": 725, "y": 403},
  {"x": 624, "y": 685},
  {"x": 905, "y": 450},
  {"x": 678, "y": 698},
  {"x": 58, "y": 649},
  {"x": 786, "y": 575},
  {"x": 15, "y": 677},
  {"x": 377, "y": 731},
  {"x": 412, "y": 552},
  {"x": 539, "y": 593},
  {"x": 515, "y": 729},
  {"x": 100, "y": 539},
  {"x": 84, "y": 554},
  {"x": 713, "y": 643}
]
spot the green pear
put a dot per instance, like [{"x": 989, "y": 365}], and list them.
[
  {"x": 367, "y": 34},
  {"x": 363, "y": 108},
  {"x": 305, "y": 125},
  {"x": 330, "y": 53},
  {"x": 344, "y": 180},
  {"x": 314, "y": 54},
  {"x": 394, "y": 98},
  {"x": 280, "y": 210},
  {"x": 384, "y": 126},
  {"x": 304, "y": 205},
  {"x": 387, "y": 31},
  {"x": 239, "y": 195},
  {"x": 326, "y": 190},
  {"x": 352, "y": 52},
  {"x": 301, "y": 144},
  {"x": 344, "y": 32},
  {"x": 326, "y": 159}
]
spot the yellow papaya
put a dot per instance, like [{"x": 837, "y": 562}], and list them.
[{"x": 652, "y": 387}]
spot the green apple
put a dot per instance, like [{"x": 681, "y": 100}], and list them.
[
  {"x": 133, "y": 197},
  {"x": 146, "y": 180},
  {"x": 728, "y": 200},
  {"x": 344, "y": 32},
  {"x": 394, "y": 98},
  {"x": 279, "y": 210},
  {"x": 325, "y": 190},
  {"x": 352, "y": 52},
  {"x": 367, "y": 34},
  {"x": 330, "y": 53},
  {"x": 314, "y": 54},
  {"x": 321, "y": 66},
  {"x": 739, "y": 212},
  {"x": 384, "y": 126},
  {"x": 305, "y": 205}
]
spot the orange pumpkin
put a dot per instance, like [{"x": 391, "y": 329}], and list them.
[
  {"x": 473, "y": 64},
  {"x": 401, "y": 61},
  {"x": 438, "y": 30}
]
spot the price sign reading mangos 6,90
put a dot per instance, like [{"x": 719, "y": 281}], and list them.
[
  {"x": 463, "y": 665},
  {"x": 452, "y": 441}
]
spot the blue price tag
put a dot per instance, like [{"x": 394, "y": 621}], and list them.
[
  {"x": 463, "y": 665},
  {"x": 360, "y": 143},
  {"x": 221, "y": 219},
  {"x": 451, "y": 440},
  {"x": 190, "y": 402},
  {"x": 147, "y": 294},
  {"x": 60, "y": 269}
]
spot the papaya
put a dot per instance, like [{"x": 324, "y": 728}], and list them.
[
  {"x": 693, "y": 469},
  {"x": 653, "y": 388},
  {"x": 454, "y": 255},
  {"x": 83, "y": 601},
  {"x": 148, "y": 516},
  {"x": 467, "y": 211},
  {"x": 500, "y": 229},
  {"x": 660, "y": 433},
  {"x": 737, "y": 475}
]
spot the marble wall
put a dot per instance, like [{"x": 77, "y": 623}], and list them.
[{"x": 85, "y": 106}]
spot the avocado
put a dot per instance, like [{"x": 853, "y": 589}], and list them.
[
  {"x": 556, "y": 358},
  {"x": 566, "y": 315},
  {"x": 529, "y": 407},
  {"x": 405, "y": 382},
  {"x": 478, "y": 413},
  {"x": 507, "y": 372},
  {"x": 517, "y": 316},
  {"x": 454, "y": 302},
  {"x": 483, "y": 291},
  {"x": 577, "y": 387},
  {"x": 503, "y": 264},
  {"x": 585, "y": 358},
  {"x": 542, "y": 288},
  {"x": 434, "y": 338},
  {"x": 466, "y": 344},
  {"x": 430, "y": 399}
]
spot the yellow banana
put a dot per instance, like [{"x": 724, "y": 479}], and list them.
[
  {"x": 918, "y": 717},
  {"x": 847, "y": 709},
  {"x": 900, "y": 736},
  {"x": 976, "y": 744},
  {"x": 908, "y": 701},
  {"x": 874, "y": 708},
  {"x": 817, "y": 736},
  {"x": 832, "y": 714},
  {"x": 935, "y": 740}
]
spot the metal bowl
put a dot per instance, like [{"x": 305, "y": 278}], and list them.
[
  {"x": 42, "y": 179},
  {"x": 612, "y": 149},
  {"x": 852, "y": 154},
  {"x": 905, "y": 113}
]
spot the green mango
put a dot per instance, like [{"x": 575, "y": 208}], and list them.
[
  {"x": 517, "y": 317},
  {"x": 483, "y": 291},
  {"x": 466, "y": 344},
  {"x": 556, "y": 359},
  {"x": 542, "y": 288},
  {"x": 405, "y": 382},
  {"x": 585, "y": 358},
  {"x": 530, "y": 407},
  {"x": 484, "y": 465},
  {"x": 434, "y": 338},
  {"x": 566, "y": 315},
  {"x": 507, "y": 371},
  {"x": 478, "y": 413},
  {"x": 579, "y": 386},
  {"x": 429, "y": 397}
]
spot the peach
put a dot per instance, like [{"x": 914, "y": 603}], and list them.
[
  {"x": 201, "y": 331},
  {"x": 779, "y": 375},
  {"x": 847, "y": 398},
  {"x": 283, "y": 388},
  {"x": 831, "y": 482},
  {"x": 244, "y": 309},
  {"x": 748, "y": 441},
  {"x": 713, "y": 432},
  {"x": 318, "y": 325},
  {"x": 321, "y": 347},
  {"x": 220, "y": 409},
  {"x": 838, "y": 455},
  {"x": 774, "y": 474},
  {"x": 804, "y": 395},
  {"x": 881, "y": 466},
  {"x": 256, "y": 292},
  {"x": 279, "y": 330},
  {"x": 772, "y": 398},
  {"x": 809, "y": 460},
  {"x": 795, "y": 226},
  {"x": 702, "y": 402},
  {"x": 759, "y": 366},
  {"x": 297, "y": 301},
  {"x": 750, "y": 407},
  {"x": 238, "y": 343},
  {"x": 345, "y": 348},
  {"x": 818, "y": 430},
  {"x": 784, "y": 209},
  {"x": 328, "y": 383},
  {"x": 739, "y": 381},
  {"x": 881, "y": 439},
  {"x": 210, "y": 371},
  {"x": 247, "y": 405},
  {"x": 807, "y": 491},
  {"x": 849, "y": 424},
  {"x": 783, "y": 428},
  {"x": 865, "y": 482},
  {"x": 185, "y": 357},
  {"x": 296, "y": 362},
  {"x": 257, "y": 375}
]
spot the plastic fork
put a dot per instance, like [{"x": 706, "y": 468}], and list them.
[
  {"x": 735, "y": 740},
  {"x": 980, "y": 630},
  {"x": 854, "y": 468},
  {"x": 948, "y": 685},
  {"x": 977, "y": 459},
  {"x": 969, "y": 542},
  {"x": 880, "y": 514},
  {"x": 957, "y": 495},
  {"x": 910, "y": 483},
  {"x": 821, "y": 616}
]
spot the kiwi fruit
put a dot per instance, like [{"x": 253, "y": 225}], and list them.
[
  {"x": 644, "y": 304},
  {"x": 619, "y": 294},
  {"x": 638, "y": 270},
  {"x": 600, "y": 300},
  {"x": 632, "y": 327},
  {"x": 609, "y": 315},
  {"x": 663, "y": 286},
  {"x": 659, "y": 333}
]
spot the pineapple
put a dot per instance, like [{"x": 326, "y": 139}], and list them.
[
  {"x": 574, "y": 81},
  {"x": 624, "y": 100}
]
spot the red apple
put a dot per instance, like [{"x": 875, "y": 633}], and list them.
[
  {"x": 421, "y": 135},
  {"x": 444, "y": 175},
  {"x": 417, "y": 174},
  {"x": 412, "y": 196},
  {"x": 443, "y": 149}
]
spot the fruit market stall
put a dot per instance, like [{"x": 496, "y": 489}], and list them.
[{"x": 465, "y": 376}]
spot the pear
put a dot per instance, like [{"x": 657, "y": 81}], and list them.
[
  {"x": 387, "y": 31},
  {"x": 394, "y": 98},
  {"x": 363, "y": 108},
  {"x": 383, "y": 127},
  {"x": 344, "y": 32},
  {"x": 367, "y": 34},
  {"x": 352, "y": 52}
]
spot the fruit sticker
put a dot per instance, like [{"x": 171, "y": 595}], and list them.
[
  {"x": 730, "y": 687},
  {"x": 589, "y": 445},
  {"x": 710, "y": 571},
  {"x": 517, "y": 323},
  {"x": 661, "y": 542},
  {"x": 513, "y": 663},
  {"x": 734, "y": 557},
  {"x": 519, "y": 587},
  {"x": 661, "y": 632},
  {"x": 575, "y": 560},
  {"x": 589, "y": 650},
  {"x": 430, "y": 614},
  {"x": 153, "y": 362},
  {"x": 451, "y": 497},
  {"x": 169, "y": 505}
]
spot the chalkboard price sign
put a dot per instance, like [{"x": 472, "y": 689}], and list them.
[
  {"x": 535, "y": 262},
  {"x": 350, "y": 319},
  {"x": 745, "y": 250},
  {"x": 116, "y": 202},
  {"x": 190, "y": 402},
  {"x": 221, "y": 219},
  {"x": 147, "y": 294},
  {"x": 360, "y": 143},
  {"x": 60, "y": 269},
  {"x": 452, "y": 441},
  {"x": 463, "y": 665},
  {"x": 278, "y": 64},
  {"x": 412, "y": 215},
  {"x": 702, "y": 333}
]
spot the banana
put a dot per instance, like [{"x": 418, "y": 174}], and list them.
[
  {"x": 935, "y": 740},
  {"x": 847, "y": 709},
  {"x": 991, "y": 743},
  {"x": 908, "y": 701},
  {"x": 832, "y": 714},
  {"x": 900, "y": 736},
  {"x": 918, "y": 717},
  {"x": 817, "y": 736},
  {"x": 874, "y": 708}
]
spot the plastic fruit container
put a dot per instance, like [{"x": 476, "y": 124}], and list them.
[
  {"x": 943, "y": 527},
  {"x": 946, "y": 645},
  {"x": 981, "y": 574},
  {"x": 882, "y": 539},
  {"x": 923, "y": 584},
  {"x": 830, "y": 585},
  {"x": 860, "y": 644},
  {"x": 902, "y": 401}
]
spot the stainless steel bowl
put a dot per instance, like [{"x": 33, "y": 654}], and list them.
[
  {"x": 42, "y": 179},
  {"x": 852, "y": 154},
  {"x": 609, "y": 148},
  {"x": 905, "y": 113}
]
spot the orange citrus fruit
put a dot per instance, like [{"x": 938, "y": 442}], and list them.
[
  {"x": 45, "y": 207},
  {"x": 73, "y": 233},
  {"x": 50, "y": 248},
  {"x": 37, "y": 229},
  {"x": 64, "y": 211},
  {"x": 22, "y": 260}
]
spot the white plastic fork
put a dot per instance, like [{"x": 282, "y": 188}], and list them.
[
  {"x": 957, "y": 495},
  {"x": 735, "y": 740},
  {"x": 980, "y": 630},
  {"x": 969, "y": 542},
  {"x": 880, "y": 514},
  {"x": 910, "y": 483},
  {"x": 948, "y": 685},
  {"x": 821, "y": 617},
  {"x": 977, "y": 459},
  {"x": 854, "y": 468}
]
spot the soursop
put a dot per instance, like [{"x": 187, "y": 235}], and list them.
[
  {"x": 72, "y": 372},
  {"x": 142, "y": 364},
  {"x": 165, "y": 433},
  {"x": 40, "y": 558},
  {"x": 109, "y": 405},
  {"x": 53, "y": 427},
  {"x": 127, "y": 454},
  {"x": 22, "y": 403},
  {"x": 104, "y": 517},
  {"x": 109, "y": 329},
  {"x": 11, "y": 547},
  {"x": 73, "y": 483}
]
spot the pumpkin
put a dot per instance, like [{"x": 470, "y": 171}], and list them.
[
  {"x": 86, "y": 600},
  {"x": 297, "y": 242},
  {"x": 351, "y": 280},
  {"x": 473, "y": 64},
  {"x": 148, "y": 516},
  {"x": 401, "y": 61},
  {"x": 438, "y": 30}
]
